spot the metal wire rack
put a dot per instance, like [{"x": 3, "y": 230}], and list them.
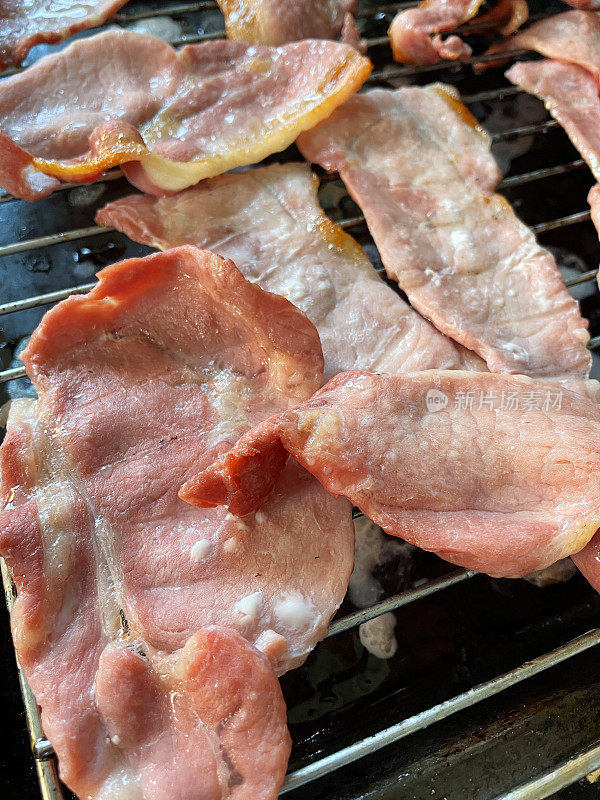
[{"x": 386, "y": 73}]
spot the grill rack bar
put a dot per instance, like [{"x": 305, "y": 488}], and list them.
[
  {"x": 424, "y": 719},
  {"x": 125, "y": 17},
  {"x": 570, "y": 771},
  {"x": 44, "y": 299},
  {"x": 405, "y": 72},
  {"x": 46, "y": 770},
  {"x": 399, "y": 600}
]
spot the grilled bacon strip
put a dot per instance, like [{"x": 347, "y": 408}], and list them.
[
  {"x": 498, "y": 473},
  {"x": 420, "y": 168},
  {"x": 150, "y": 631},
  {"x": 567, "y": 80},
  {"x": 277, "y": 22},
  {"x": 415, "y": 33},
  {"x": 170, "y": 118}
]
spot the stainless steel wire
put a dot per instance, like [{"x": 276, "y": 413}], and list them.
[
  {"x": 439, "y": 712},
  {"x": 558, "y": 778}
]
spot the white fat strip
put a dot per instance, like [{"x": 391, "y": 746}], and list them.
[{"x": 122, "y": 784}]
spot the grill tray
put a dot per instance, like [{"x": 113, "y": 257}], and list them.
[{"x": 495, "y": 689}]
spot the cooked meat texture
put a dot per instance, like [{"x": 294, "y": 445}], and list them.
[
  {"x": 567, "y": 81},
  {"x": 124, "y": 720},
  {"x": 170, "y": 118},
  {"x": 25, "y": 23},
  {"x": 570, "y": 94},
  {"x": 411, "y": 32},
  {"x": 269, "y": 222},
  {"x": 276, "y": 22},
  {"x": 572, "y": 37},
  {"x": 148, "y": 378},
  {"x": 458, "y": 250},
  {"x": 415, "y": 32},
  {"x": 502, "y": 476}
]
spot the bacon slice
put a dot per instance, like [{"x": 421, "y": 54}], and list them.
[
  {"x": 572, "y": 37},
  {"x": 268, "y": 221},
  {"x": 594, "y": 201},
  {"x": 441, "y": 459},
  {"x": 161, "y": 367},
  {"x": 587, "y": 561},
  {"x": 25, "y": 24},
  {"x": 411, "y": 31},
  {"x": 570, "y": 93},
  {"x": 276, "y": 22},
  {"x": 568, "y": 85},
  {"x": 169, "y": 117},
  {"x": 415, "y": 33},
  {"x": 123, "y": 718},
  {"x": 458, "y": 250}
]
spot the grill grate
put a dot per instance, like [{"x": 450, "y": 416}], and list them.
[{"x": 313, "y": 762}]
